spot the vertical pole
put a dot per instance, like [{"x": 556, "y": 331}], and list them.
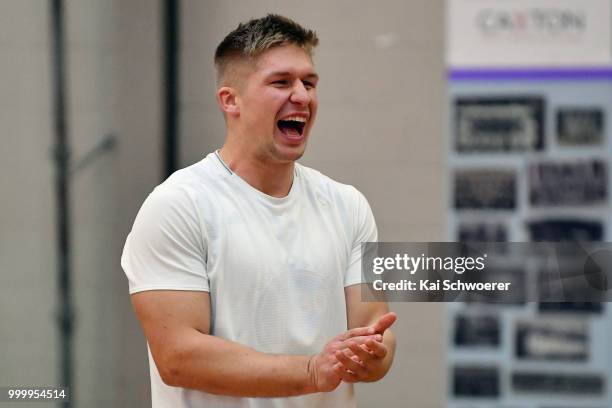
[
  {"x": 171, "y": 25},
  {"x": 62, "y": 183}
]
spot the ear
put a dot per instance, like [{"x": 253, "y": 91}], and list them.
[{"x": 227, "y": 100}]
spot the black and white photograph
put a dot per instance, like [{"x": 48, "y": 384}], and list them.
[
  {"x": 561, "y": 339},
  {"x": 477, "y": 331},
  {"x": 569, "y": 183},
  {"x": 580, "y": 126},
  {"x": 482, "y": 232},
  {"x": 575, "y": 406},
  {"x": 485, "y": 189},
  {"x": 569, "y": 275},
  {"x": 565, "y": 230},
  {"x": 499, "y": 124},
  {"x": 476, "y": 382},
  {"x": 571, "y": 307},
  {"x": 513, "y": 274},
  {"x": 554, "y": 383}
]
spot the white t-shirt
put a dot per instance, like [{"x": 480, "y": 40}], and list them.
[{"x": 275, "y": 268}]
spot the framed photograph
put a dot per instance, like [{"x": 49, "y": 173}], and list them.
[
  {"x": 499, "y": 124},
  {"x": 553, "y": 383},
  {"x": 477, "y": 331},
  {"x": 565, "y": 230},
  {"x": 580, "y": 126},
  {"x": 485, "y": 189},
  {"x": 476, "y": 382},
  {"x": 573, "y": 183},
  {"x": 566, "y": 282},
  {"x": 558, "y": 339},
  {"x": 482, "y": 232},
  {"x": 513, "y": 274},
  {"x": 571, "y": 307}
]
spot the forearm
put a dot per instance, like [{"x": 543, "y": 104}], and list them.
[{"x": 219, "y": 366}]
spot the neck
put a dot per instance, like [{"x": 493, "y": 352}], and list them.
[{"x": 271, "y": 178}]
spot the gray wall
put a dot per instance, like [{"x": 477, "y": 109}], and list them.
[
  {"x": 379, "y": 127},
  {"x": 113, "y": 69},
  {"x": 27, "y": 258}
]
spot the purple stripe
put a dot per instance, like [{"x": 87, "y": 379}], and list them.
[{"x": 529, "y": 74}]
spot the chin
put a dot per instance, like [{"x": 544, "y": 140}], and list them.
[{"x": 288, "y": 153}]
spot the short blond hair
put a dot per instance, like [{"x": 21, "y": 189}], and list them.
[{"x": 255, "y": 36}]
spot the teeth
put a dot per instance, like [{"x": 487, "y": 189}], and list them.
[{"x": 296, "y": 119}]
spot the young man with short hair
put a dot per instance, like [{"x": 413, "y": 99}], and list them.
[{"x": 244, "y": 268}]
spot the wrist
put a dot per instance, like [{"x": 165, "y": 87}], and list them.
[{"x": 311, "y": 375}]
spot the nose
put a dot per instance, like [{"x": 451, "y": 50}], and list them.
[{"x": 300, "y": 94}]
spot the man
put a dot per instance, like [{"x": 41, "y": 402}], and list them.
[{"x": 244, "y": 268}]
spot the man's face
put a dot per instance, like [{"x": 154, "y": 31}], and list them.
[{"x": 278, "y": 104}]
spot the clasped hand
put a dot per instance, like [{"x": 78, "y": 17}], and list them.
[{"x": 357, "y": 355}]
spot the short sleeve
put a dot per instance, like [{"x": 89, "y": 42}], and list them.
[
  {"x": 364, "y": 231},
  {"x": 166, "y": 248}
]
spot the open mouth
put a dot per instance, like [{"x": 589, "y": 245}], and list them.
[{"x": 291, "y": 127}]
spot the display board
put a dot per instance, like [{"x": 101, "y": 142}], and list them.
[{"x": 529, "y": 153}]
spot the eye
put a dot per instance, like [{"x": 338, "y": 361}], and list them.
[
  {"x": 280, "y": 82},
  {"x": 309, "y": 84}
]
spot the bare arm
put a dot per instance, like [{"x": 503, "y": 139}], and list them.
[
  {"x": 370, "y": 361},
  {"x": 177, "y": 327}
]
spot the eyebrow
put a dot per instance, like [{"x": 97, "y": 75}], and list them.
[{"x": 313, "y": 75}]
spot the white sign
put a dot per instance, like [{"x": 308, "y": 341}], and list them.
[{"x": 507, "y": 33}]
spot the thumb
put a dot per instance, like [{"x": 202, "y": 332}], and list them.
[{"x": 384, "y": 322}]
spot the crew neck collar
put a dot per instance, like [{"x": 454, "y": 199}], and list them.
[{"x": 252, "y": 190}]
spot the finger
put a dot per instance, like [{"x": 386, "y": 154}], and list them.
[
  {"x": 360, "y": 351},
  {"x": 358, "y": 340},
  {"x": 346, "y": 376},
  {"x": 357, "y": 331},
  {"x": 384, "y": 322},
  {"x": 377, "y": 348},
  {"x": 348, "y": 363}
]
